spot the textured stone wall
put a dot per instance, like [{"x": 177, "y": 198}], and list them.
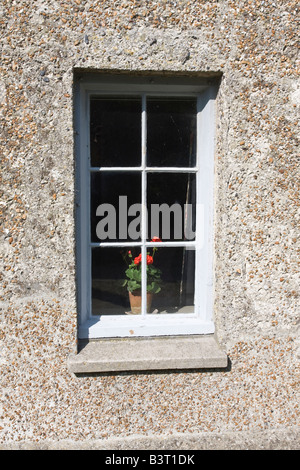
[{"x": 253, "y": 45}]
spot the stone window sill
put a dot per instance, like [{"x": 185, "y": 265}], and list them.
[{"x": 148, "y": 354}]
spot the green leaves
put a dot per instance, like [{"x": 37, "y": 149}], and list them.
[
  {"x": 154, "y": 287},
  {"x": 133, "y": 273},
  {"x": 134, "y": 278}
]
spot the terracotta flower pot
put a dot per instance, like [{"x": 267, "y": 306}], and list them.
[{"x": 135, "y": 300}]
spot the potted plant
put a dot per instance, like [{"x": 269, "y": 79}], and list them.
[{"x": 133, "y": 280}]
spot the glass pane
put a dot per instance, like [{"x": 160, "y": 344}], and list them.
[
  {"x": 175, "y": 276},
  {"x": 171, "y": 204},
  {"x": 115, "y": 206},
  {"x": 115, "y": 131},
  {"x": 109, "y": 296},
  {"x": 116, "y": 281},
  {"x": 171, "y": 132}
]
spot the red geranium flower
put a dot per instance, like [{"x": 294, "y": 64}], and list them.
[
  {"x": 149, "y": 259},
  {"x": 138, "y": 259},
  {"x": 156, "y": 239}
]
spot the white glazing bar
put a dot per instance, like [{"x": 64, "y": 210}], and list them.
[
  {"x": 164, "y": 244},
  {"x": 115, "y": 168},
  {"x": 144, "y": 207},
  {"x": 114, "y": 244},
  {"x": 148, "y": 244},
  {"x": 173, "y": 169},
  {"x": 148, "y": 169}
]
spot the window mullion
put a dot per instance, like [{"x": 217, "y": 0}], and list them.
[{"x": 144, "y": 206}]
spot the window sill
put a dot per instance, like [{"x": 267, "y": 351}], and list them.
[{"x": 146, "y": 354}]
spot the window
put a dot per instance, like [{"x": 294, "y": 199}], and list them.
[{"x": 144, "y": 207}]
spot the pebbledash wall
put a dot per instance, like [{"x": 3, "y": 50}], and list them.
[{"x": 252, "y": 46}]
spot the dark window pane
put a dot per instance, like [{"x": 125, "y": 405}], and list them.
[
  {"x": 171, "y": 132},
  {"x": 115, "y": 206},
  {"x": 177, "y": 284},
  {"x": 109, "y": 297},
  {"x": 171, "y": 204},
  {"x": 173, "y": 293},
  {"x": 115, "y": 131}
]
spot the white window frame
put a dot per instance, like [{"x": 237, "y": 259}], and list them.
[{"x": 201, "y": 321}]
